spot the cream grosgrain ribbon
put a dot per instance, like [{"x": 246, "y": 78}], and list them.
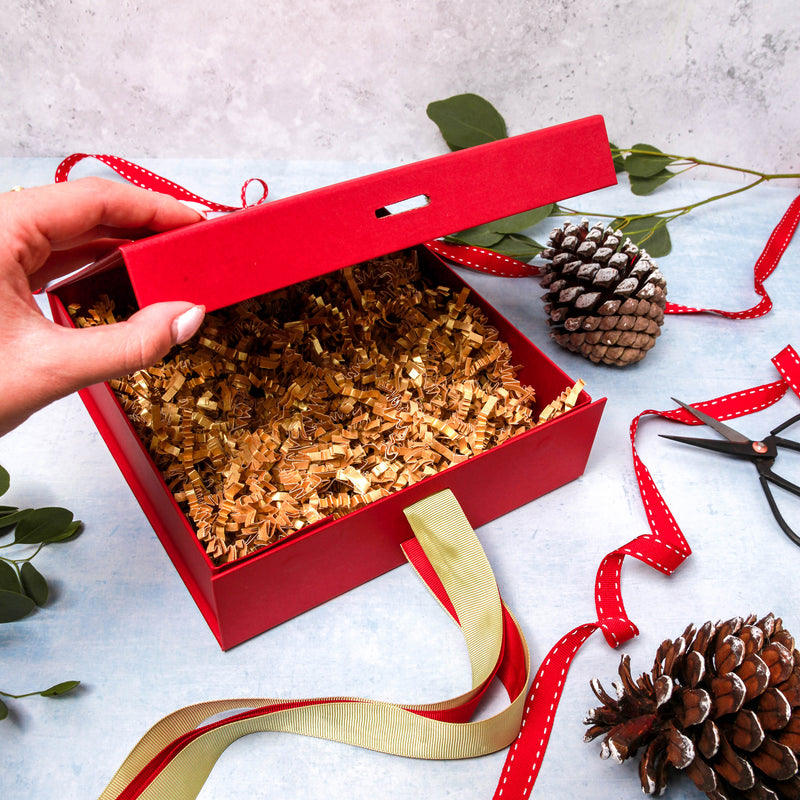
[{"x": 174, "y": 758}]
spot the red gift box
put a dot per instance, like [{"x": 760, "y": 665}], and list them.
[{"x": 232, "y": 258}]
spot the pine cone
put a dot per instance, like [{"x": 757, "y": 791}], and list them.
[
  {"x": 721, "y": 703},
  {"x": 605, "y": 298}
]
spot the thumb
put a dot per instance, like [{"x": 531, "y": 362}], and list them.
[
  {"x": 92, "y": 355},
  {"x": 48, "y": 362}
]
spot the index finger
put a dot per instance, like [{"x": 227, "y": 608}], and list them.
[{"x": 67, "y": 214}]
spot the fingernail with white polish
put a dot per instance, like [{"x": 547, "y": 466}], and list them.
[
  {"x": 196, "y": 207},
  {"x": 185, "y": 326}
]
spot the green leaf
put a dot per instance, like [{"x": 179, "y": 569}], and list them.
[
  {"x": 60, "y": 688},
  {"x": 34, "y": 584},
  {"x": 618, "y": 158},
  {"x": 648, "y": 232},
  {"x": 71, "y": 531},
  {"x": 43, "y": 525},
  {"x": 517, "y": 246},
  {"x": 642, "y": 186},
  {"x": 466, "y": 120},
  {"x": 491, "y": 234},
  {"x": 519, "y": 222},
  {"x": 14, "y": 606},
  {"x": 5, "y": 480},
  {"x": 9, "y": 582},
  {"x": 13, "y": 517},
  {"x": 479, "y": 236},
  {"x": 3, "y": 710},
  {"x": 647, "y": 164},
  {"x": 659, "y": 244}
]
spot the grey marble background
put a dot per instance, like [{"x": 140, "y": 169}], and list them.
[{"x": 350, "y": 79}]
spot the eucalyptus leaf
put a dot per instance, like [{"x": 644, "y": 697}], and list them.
[
  {"x": 648, "y": 232},
  {"x": 70, "y": 532},
  {"x": 13, "y": 517},
  {"x": 618, "y": 158},
  {"x": 466, "y": 120},
  {"x": 3, "y": 710},
  {"x": 519, "y": 222},
  {"x": 14, "y": 606},
  {"x": 60, "y": 688},
  {"x": 9, "y": 581},
  {"x": 5, "y": 480},
  {"x": 647, "y": 164},
  {"x": 479, "y": 236},
  {"x": 517, "y": 246},
  {"x": 659, "y": 244},
  {"x": 43, "y": 525},
  {"x": 34, "y": 583},
  {"x": 643, "y": 186}
]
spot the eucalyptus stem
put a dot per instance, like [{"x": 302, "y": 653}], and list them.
[
  {"x": 19, "y": 696},
  {"x": 26, "y": 590},
  {"x": 467, "y": 120},
  {"x": 677, "y": 211},
  {"x": 686, "y": 209},
  {"x": 656, "y": 221},
  {"x": 65, "y": 687},
  {"x": 20, "y": 560},
  {"x": 618, "y": 151},
  {"x": 33, "y": 554}
]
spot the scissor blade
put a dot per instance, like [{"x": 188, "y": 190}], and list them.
[
  {"x": 720, "y": 427},
  {"x": 738, "y": 449}
]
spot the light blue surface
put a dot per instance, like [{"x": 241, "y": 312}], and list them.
[{"x": 121, "y": 621}]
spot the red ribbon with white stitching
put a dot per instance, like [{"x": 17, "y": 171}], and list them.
[
  {"x": 476, "y": 258},
  {"x": 139, "y": 176},
  {"x": 765, "y": 266},
  {"x": 483, "y": 260},
  {"x": 664, "y": 548}
]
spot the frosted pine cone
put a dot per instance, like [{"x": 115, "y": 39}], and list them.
[
  {"x": 605, "y": 297},
  {"x": 721, "y": 703}
]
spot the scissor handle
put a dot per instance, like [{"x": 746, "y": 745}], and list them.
[
  {"x": 779, "y": 441},
  {"x": 782, "y": 427},
  {"x": 767, "y": 476}
]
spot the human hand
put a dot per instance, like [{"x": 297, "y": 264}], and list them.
[{"x": 47, "y": 232}]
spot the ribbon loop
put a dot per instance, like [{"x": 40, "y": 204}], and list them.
[
  {"x": 764, "y": 267},
  {"x": 139, "y": 176},
  {"x": 264, "y": 192},
  {"x": 175, "y": 757}
]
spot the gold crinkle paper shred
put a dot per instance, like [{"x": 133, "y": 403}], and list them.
[{"x": 311, "y": 401}]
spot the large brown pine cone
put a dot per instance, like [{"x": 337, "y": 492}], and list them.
[
  {"x": 605, "y": 296},
  {"x": 721, "y": 703}
]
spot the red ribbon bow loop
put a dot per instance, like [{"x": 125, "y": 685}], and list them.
[{"x": 139, "y": 176}]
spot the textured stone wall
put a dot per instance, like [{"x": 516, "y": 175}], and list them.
[{"x": 350, "y": 79}]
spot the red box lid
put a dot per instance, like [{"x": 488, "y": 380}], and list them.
[{"x": 258, "y": 249}]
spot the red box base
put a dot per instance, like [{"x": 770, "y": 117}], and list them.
[{"x": 243, "y": 599}]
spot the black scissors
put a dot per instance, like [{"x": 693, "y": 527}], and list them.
[{"x": 761, "y": 453}]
